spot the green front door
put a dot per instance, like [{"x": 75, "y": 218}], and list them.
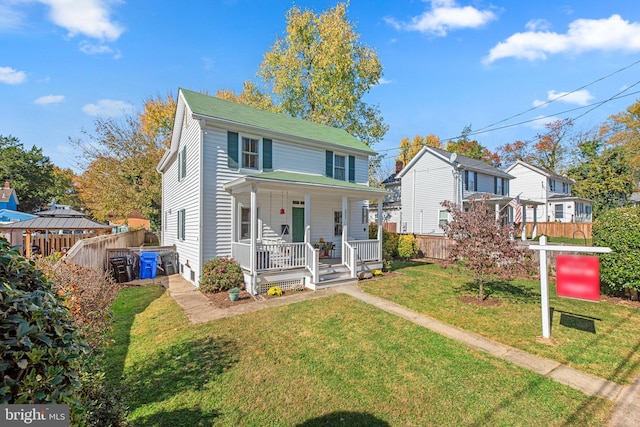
[{"x": 297, "y": 225}]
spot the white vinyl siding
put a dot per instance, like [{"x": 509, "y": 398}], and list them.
[{"x": 434, "y": 183}]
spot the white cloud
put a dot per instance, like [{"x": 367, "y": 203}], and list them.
[
  {"x": 541, "y": 121},
  {"x": 49, "y": 99},
  {"x": 538, "y": 25},
  {"x": 445, "y": 16},
  {"x": 12, "y": 77},
  {"x": 108, "y": 108},
  {"x": 90, "y": 18},
  {"x": 583, "y": 35},
  {"x": 94, "y": 49},
  {"x": 10, "y": 17},
  {"x": 384, "y": 81},
  {"x": 579, "y": 97}
]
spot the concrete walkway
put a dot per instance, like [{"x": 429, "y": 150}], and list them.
[{"x": 199, "y": 309}]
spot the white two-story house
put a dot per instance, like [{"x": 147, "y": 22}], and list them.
[
  {"x": 435, "y": 175},
  {"x": 274, "y": 192},
  {"x": 551, "y": 191}
]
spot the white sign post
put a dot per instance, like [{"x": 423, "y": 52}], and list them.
[{"x": 544, "y": 275}]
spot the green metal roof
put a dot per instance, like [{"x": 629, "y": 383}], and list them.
[
  {"x": 302, "y": 178},
  {"x": 210, "y": 106}
]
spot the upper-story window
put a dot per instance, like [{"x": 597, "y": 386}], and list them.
[
  {"x": 500, "y": 186},
  {"x": 565, "y": 188},
  {"x": 339, "y": 171},
  {"x": 552, "y": 185},
  {"x": 470, "y": 180},
  {"x": 250, "y": 153}
]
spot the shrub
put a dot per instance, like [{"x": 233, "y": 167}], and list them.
[
  {"x": 275, "y": 291},
  {"x": 619, "y": 229},
  {"x": 42, "y": 350},
  {"x": 407, "y": 246},
  {"x": 221, "y": 274},
  {"x": 87, "y": 293},
  {"x": 389, "y": 245}
]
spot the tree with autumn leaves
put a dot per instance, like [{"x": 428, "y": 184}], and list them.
[
  {"x": 120, "y": 159},
  {"x": 484, "y": 244}
]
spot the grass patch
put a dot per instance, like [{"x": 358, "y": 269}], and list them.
[
  {"x": 330, "y": 361},
  {"x": 599, "y": 338}
]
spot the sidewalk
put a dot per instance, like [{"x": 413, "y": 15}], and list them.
[{"x": 199, "y": 309}]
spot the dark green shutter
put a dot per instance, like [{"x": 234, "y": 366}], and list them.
[
  {"x": 267, "y": 155},
  {"x": 178, "y": 222},
  {"x": 352, "y": 169},
  {"x": 232, "y": 150},
  {"x": 184, "y": 161},
  {"x": 184, "y": 222},
  {"x": 329, "y": 169},
  {"x": 495, "y": 185}
]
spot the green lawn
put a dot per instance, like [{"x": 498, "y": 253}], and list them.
[
  {"x": 599, "y": 338},
  {"x": 330, "y": 361}
]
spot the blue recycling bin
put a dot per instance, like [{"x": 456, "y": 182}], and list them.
[{"x": 148, "y": 265}]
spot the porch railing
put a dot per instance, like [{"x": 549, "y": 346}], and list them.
[
  {"x": 281, "y": 256},
  {"x": 313, "y": 255},
  {"x": 241, "y": 252},
  {"x": 349, "y": 255},
  {"x": 368, "y": 250}
]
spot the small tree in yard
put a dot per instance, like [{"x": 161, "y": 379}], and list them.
[{"x": 483, "y": 244}]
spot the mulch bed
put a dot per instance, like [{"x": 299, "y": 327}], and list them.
[{"x": 221, "y": 299}]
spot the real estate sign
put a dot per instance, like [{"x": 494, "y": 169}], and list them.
[{"x": 578, "y": 277}]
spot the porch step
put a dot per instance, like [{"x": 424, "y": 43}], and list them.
[{"x": 335, "y": 282}]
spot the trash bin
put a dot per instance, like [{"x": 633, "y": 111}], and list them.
[
  {"x": 148, "y": 265},
  {"x": 118, "y": 266},
  {"x": 169, "y": 264},
  {"x": 132, "y": 266}
]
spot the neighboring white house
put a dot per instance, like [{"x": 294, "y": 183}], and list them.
[
  {"x": 263, "y": 188},
  {"x": 392, "y": 203},
  {"x": 552, "y": 191},
  {"x": 435, "y": 175}
]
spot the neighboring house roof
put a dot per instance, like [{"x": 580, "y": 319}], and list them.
[
  {"x": 391, "y": 179},
  {"x": 543, "y": 171},
  {"x": 61, "y": 213},
  {"x": 51, "y": 223},
  {"x": 464, "y": 161},
  {"x": 6, "y": 192},
  {"x": 305, "y": 179},
  {"x": 565, "y": 197},
  {"x": 7, "y": 215}
]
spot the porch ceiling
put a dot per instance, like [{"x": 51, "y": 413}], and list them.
[{"x": 280, "y": 180}]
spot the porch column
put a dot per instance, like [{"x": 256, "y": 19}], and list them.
[
  {"x": 345, "y": 211},
  {"x": 234, "y": 218},
  {"x": 253, "y": 235},
  {"x": 523, "y": 233},
  {"x": 345, "y": 226},
  {"x": 497, "y": 210},
  {"x": 307, "y": 217},
  {"x": 534, "y": 232},
  {"x": 380, "y": 230}
]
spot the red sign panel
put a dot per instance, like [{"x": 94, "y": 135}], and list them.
[{"x": 578, "y": 276}]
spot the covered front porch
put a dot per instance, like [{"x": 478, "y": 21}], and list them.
[
  {"x": 501, "y": 203},
  {"x": 296, "y": 230}
]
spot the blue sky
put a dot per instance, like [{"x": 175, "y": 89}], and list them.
[{"x": 447, "y": 63}]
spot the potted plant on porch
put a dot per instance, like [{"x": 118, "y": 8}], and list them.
[{"x": 324, "y": 247}]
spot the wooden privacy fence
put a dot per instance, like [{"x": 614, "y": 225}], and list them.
[
  {"x": 435, "y": 247},
  {"x": 92, "y": 252},
  {"x": 573, "y": 230},
  {"x": 57, "y": 242},
  {"x": 391, "y": 227}
]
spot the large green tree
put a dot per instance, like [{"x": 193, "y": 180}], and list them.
[
  {"x": 29, "y": 172},
  {"x": 602, "y": 174},
  {"x": 320, "y": 71},
  {"x": 120, "y": 162},
  {"x": 623, "y": 130}
]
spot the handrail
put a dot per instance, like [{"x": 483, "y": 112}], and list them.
[
  {"x": 312, "y": 256},
  {"x": 350, "y": 258}
]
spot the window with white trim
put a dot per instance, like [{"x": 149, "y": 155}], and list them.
[
  {"x": 250, "y": 157},
  {"x": 559, "y": 210},
  {"x": 337, "y": 223},
  {"x": 565, "y": 188},
  {"x": 245, "y": 223},
  {"x": 443, "y": 218},
  {"x": 470, "y": 180},
  {"x": 181, "y": 224},
  {"x": 552, "y": 185},
  {"x": 339, "y": 170}
]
